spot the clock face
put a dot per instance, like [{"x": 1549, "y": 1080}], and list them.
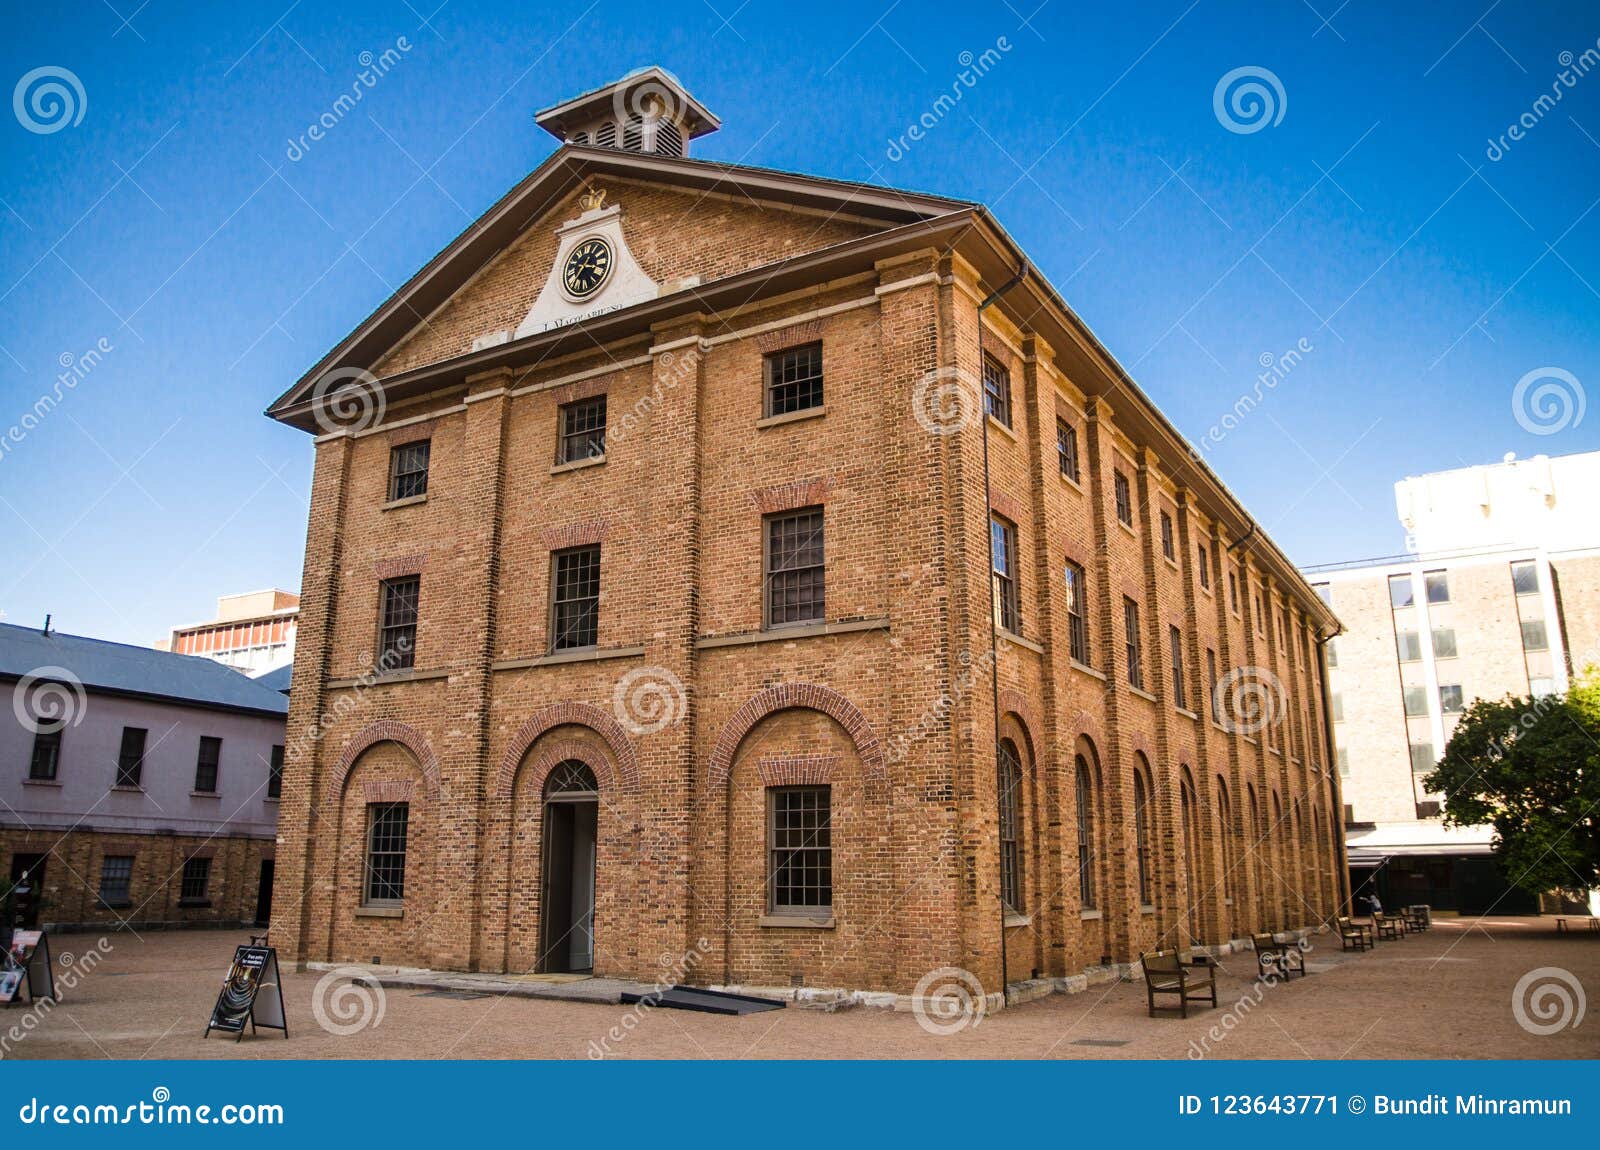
[{"x": 587, "y": 268}]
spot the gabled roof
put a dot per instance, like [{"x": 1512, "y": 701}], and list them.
[
  {"x": 121, "y": 668},
  {"x": 569, "y": 168}
]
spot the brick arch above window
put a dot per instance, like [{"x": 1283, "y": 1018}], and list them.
[
  {"x": 539, "y": 766},
  {"x": 599, "y": 721},
  {"x": 1015, "y": 704},
  {"x": 387, "y": 731},
  {"x": 792, "y": 696}
]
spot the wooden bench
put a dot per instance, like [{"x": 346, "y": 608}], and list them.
[
  {"x": 1165, "y": 973},
  {"x": 1564, "y": 923},
  {"x": 1386, "y": 928},
  {"x": 1285, "y": 957},
  {"x": 1354, "y": 935}
]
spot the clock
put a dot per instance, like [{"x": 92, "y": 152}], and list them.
[{"x": 587, "y": 269}]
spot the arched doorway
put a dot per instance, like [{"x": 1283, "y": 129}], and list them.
[{"x": 571, "y": 822}]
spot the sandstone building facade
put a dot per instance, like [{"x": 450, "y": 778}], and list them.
[{"x": 655, "y": 605}]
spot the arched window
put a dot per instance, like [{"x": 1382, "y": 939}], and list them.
[
  {"x": 1086, "y": 860},
  {"x": 1141, "y": 831},
  {"x": 633, "y": 134},
  {"x": 606, "y": 135},
  {"x": 1190, "y": 856},
  {"x": 570, "y": 777},
  {"x": 1010, "y": 825}
]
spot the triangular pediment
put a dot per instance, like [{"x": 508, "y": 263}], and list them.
[{"x": 672, "y": 225}]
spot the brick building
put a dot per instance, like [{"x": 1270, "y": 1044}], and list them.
[
  {"x": 654, "y": 594},
  {"x": 1500, "y": 595},
  {"x": 141, "y": 788}
]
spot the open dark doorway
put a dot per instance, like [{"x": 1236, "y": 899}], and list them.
[
  {"x": 571, "y": 820},
  {"x": 264, "y": 894}
]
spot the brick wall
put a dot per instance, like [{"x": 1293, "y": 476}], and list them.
[{"x": 903, "y": 663}]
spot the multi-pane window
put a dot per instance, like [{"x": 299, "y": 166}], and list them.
[
  {"x": 1450, "y": 699},
  {"x": 1211, "y": 684},
  {"x": 46, "y": 751},
  {"x": 1343, "y": 759},
  {"x": 1336, "y": 707},
  {"x": 1124, "y": 498},
  {"x": 1416, "y": 699},
  {"x": 196, "y": 880},
  {"x": 1077, "y": 615},
  {"x": 386, "y": 853},
  {"x": 1400, "y": 592},
  {"x": 206, "y": 762},
  {"x": 1010, "y": 826},
  {"x": 583, "y": 430},
  {"x": 575, "y": 598},
  {"x": 1421, "y": 758},
  {"x": 1408, "y": 646},
  {"x": 1086, "y": 863},
  {"x": 1205, "y": 566},
  {"x": 116, "y": 879},
  {"x": 408, "y": 469},
  {"x": 397, "y": 627},
  {"x": 1067, "y": 449},
  {"x": 796, "y": 568},
  {"x": 996, "y": 390},
  {"x": 1524, "y": 578},
  {"x": 1141, "y": 836},
  {"x": 1233, "y": 592},
  {"x": 275, "y": 773},
  {"x": 1437, "y": 584},
  {"x": 1180, "y": 691},
  {"x": 793, "y": 379},
  {"x": 1332, "y": 649},
  {"x": 1444, "y": 643},
  {"x": 1003, "y": 562},
  {"x": 800, "y": 850},
  {"x": 130, "y": 756},
  {"x": 1168, "y": 546},
  {"x": 1534, "y": 636},
  {"x": 1130, "y": 627}
]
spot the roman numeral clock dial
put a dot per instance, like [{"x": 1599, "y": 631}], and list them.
[{"x": 587, "y": 268}]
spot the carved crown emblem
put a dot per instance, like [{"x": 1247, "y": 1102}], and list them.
[{"x": 592, "y": 200}]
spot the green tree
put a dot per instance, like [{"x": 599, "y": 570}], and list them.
[{"x": 1531, "y": 769}]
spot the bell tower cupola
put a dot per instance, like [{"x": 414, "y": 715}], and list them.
[{"x": 647, "y": 111}]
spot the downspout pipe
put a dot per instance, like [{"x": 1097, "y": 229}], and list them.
[
  {"x": 994, "y": 627},
  {"x": 1331, "y": 751}
]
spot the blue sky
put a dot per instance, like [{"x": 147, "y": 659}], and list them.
[{"x": 1369, "y": 221}]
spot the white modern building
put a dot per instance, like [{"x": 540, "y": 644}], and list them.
[{"x": 1498, "y": 595}]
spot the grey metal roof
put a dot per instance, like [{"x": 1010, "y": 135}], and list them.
[
  {"x": 278, "y": 679},
  {"x": 133, "y": 670}
]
